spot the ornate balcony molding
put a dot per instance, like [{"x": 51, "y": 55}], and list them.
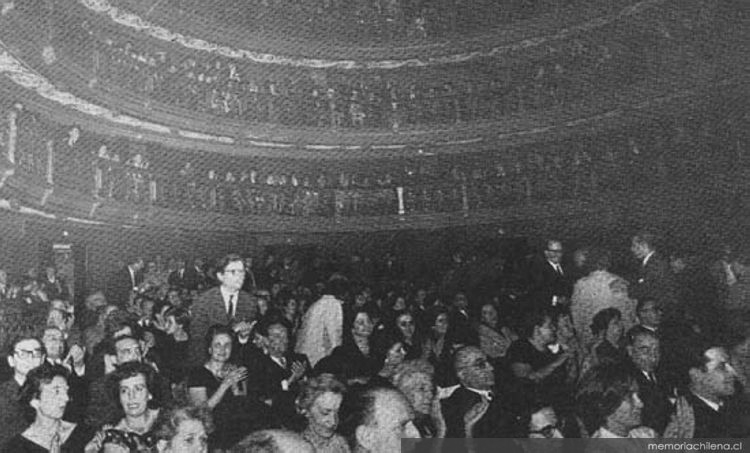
[{"x": 146, "y": 27}]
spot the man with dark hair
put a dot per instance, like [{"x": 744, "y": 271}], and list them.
[
  {"x": 473, "y": 410},
  {"x": 644, "y": 354},
  {"x": 277, "y": 372},
  {"x": 375, "y": 420},
  {"x": 225, "y": 304},
  {"x": 124, "y": 282},
  {"x": 655, "y": 279},
  {"x": 712, "y": 382},
  {"x": 24, "y": 354},
  {"x": 549, "y": 282}
]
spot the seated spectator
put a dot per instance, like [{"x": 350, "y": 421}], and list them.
[
  {"x": 494, "y": 338},
  {"x": 609, "y": 404},
  {"x": 94, "y": 334},
  {"x": 132, "y": 386},
  {"x": 541, "y": 374},
  {"x": 543, "y": 424},
  {"x": 72, "y": 359},
  {"x": 24, "y": 354},
  {"x": 319, "y": 401},
  {"x": 44, "y": 395},
  {"x": 375, "y": 420},
  {"x": 600, "y": 289},
  {"x": 393, "y": 353},
  {"x": 711, "y": 388},
  {"x": 172, "y": 343},
  {"x": 183, "y": 429},
  {"x": 273, "y": 441},
  {"x": 644, "y": 354},
  {"x": 608, "y": 338},
  {"x": 405, "y": 329},
  {"x": 648, "y": 314},
  {"x": 414, "y": 378},
  {"x": 473, "y": 410},
  {"x": 441, "y": 347},
  {"x": 122, "y": 350},
  {"x": 222, "y": 387},
  {"x": 276, "y": 374},
  {"x": 461, "y": 331},
  {"x": 356, "y": 360}
]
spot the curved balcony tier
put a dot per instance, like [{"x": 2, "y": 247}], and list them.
[{"x": 63, "y": 170}]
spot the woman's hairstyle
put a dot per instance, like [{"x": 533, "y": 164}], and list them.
[
  {"x": 409, "y": 368},
  {"x": 601, "y": 392},
  {"x": 181, "y": 316},
  {"x": 351, "y": 318},
  {"x": 32, "y": 387},
  {"x": 533, "y": 319},
  {"x": 126, "y": 371},
  {"x": 311, "y": 389},
  {"x": 602, "y": 319},
  {"x": 169, "y": 420},
  {"x": 433, "y": 314},
  {"x": 217, "y": 329}
]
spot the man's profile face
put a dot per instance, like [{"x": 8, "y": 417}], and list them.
[
  {"x": 718, "y": 377},
  {"x": 476, "y": 371}
]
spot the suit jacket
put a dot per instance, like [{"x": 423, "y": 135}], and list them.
[
  {"x": 655, "y": 396},
  {"x": 708, "y": 422},
  {"x": 11, "y": 412},
  {"x": 266, "y": 376},
  {"x": 119, "y": 286},
  {"x": 209, "y": 309},
  {"x": 497, "y": 422},
  {"x": 656, "y": 281},
  {"x": 545, "y": 283}
]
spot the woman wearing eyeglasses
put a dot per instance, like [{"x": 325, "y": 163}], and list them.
[{"x": 44, "y": 396}]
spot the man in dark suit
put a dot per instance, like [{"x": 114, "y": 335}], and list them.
[
  {"x": 712, "y": 383},
  {"x": 473, "y": 410},
  {"x": 195, "y": 276},
  {"x": 24, "y": 354},
  {"x": 225, "y": 304},
  {"x": 126, "y": 280},
  {"x": 277, "y": 373},
  {"x": 461, "y": 330},
  {"x": 549, "y": 282},
  {"x": 655, "y": 279},
  {"x": 643, "y": 351}
]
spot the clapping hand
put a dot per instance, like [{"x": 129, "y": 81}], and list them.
[
  {"x": 298, "y": 370},
  {"x": 475, "y": 414},
  {"x": 682, "y": 423}
]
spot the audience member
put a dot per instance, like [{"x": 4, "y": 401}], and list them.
[
  {"x": 183, "y": 429},
  {"x": 322, "y": 326},
  {"x": 24, "y": 354},
  {"x": 319, "y": 402}
]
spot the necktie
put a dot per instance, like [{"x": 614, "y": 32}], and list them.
[
  {"x": 559, "y": 269},
  {"x": 230, "y": 306}
]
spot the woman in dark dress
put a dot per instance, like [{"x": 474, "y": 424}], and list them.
[
  {"x": 45, "y": 393},
  {"x": 356, "y": 360},
  {"x": 222, "y": 387}
]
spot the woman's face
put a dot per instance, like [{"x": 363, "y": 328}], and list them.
[
  {"x": 419, "y": 391},
  {"x": 323, "y": 415},
  {"x": 489, "y": 315},
  {"x": 395, "y": 355},
  {"x": 441, "y": 324},
  {"x": 615, "y": 328},
  {"x": 405, "y": 324},
  {"x": 134, "y": 395},
  {"x": 53, "y": 397},
  {"x": 362, "y": 325},
  {"x": 191, "y": 437},
  {"x": 221, "y": 348}
]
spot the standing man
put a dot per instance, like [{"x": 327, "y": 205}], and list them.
[
  {"x": 122, "y": 284},
  {"x": 655, "y": 279},
  {"x": 322, "y": 327},
  {"x": 225, "y": 304},
  {"x": 550, "y": 285}
]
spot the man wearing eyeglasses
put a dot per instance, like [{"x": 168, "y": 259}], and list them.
[
  {"x": 225, "y": 304},
  {"x": 549, "y": 281},
  {"x": 473, "y": 409},
  {"x": 25, "y": 354}
]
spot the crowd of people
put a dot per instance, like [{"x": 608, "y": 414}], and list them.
[
  {"x": 155, "y": 175},
  {"x": 337, "y": 355}
]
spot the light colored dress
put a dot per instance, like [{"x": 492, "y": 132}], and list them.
[
  {"x": 595, "y": 292},
  {"x": 321, "y": 330}
]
